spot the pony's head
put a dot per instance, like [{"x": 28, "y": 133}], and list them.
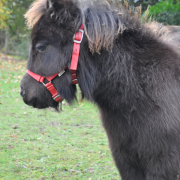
[{"x": 54, "y": 24}]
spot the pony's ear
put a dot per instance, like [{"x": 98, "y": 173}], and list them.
[
  {"x": 62, "y": 11},
  {"x": 49, "y": 4},
  {"x": 55, "y": 4}
]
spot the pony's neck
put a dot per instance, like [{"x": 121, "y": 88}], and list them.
[
  {"x": 101, "y": 74},
  {"x": 125, "y": 72}
]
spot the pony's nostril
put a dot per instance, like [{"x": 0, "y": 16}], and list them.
[{"x": 22, "y": 92}]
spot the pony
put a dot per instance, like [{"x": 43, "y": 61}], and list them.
[{"x": 128, "y": 70}]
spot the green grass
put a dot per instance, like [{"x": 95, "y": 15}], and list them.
[{"x": 44, "y": 144}]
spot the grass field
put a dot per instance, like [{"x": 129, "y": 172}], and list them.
[{"x": 44, "y": 144}]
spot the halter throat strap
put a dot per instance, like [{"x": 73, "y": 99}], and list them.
[{"x": 73, "y": 68}]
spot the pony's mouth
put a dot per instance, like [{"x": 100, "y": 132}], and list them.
[
  {"x": 34, "y": 103},
  {"x": 40, "y": 104}
]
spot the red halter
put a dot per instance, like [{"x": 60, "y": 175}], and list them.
[{"x": 74, "y": 62}]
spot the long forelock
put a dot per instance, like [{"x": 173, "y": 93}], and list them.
[{"x": 35, "y": 12}]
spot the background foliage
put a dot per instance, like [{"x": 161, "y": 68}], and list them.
[
  {"x": 167, "y": 12},
  {"x": 12, "y": 20},
  {"x": 4, "y": 13}
]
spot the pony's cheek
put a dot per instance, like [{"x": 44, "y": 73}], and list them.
[{"x": 64, "y": 87}]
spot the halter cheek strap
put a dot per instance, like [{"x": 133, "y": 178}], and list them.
[
  {"x": 78, "y": 37},
  {"x": 73, "y": 68},
  {"x": 50, "y": 87}
]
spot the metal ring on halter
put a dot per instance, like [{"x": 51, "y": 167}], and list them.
[
  {"x": 45, "y": 84},
  {"x": 76, "y": 41},
  {"x": 56, "y": 97}
]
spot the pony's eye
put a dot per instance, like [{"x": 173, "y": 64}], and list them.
[{"x": 41, "y": 47}]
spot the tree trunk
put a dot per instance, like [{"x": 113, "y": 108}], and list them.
[{"x": 6, "y": 42}]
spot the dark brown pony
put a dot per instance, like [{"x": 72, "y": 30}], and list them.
[{"x": 129, "y": 71}]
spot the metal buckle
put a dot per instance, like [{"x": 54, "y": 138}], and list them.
[
  {"x": 56, "y": 97},
  {"x": 46, "y": 83},
  {"x": 61, "y": 73},
  {"x": 80, "y": 30}
]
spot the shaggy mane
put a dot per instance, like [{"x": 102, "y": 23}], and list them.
[
  {"x": 35, "y": 12},
  {"x": 105, "y": 20},
  {"x": 159, "y": 29}
]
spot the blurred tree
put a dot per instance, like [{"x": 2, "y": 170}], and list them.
[
  {"x": 12, "y": 23},
  {"x": 143, "y": 3},
  {"x": 4, "y": 14},
  {"x": 166, "y": 12},
  {"x": 16, "y": 22}
]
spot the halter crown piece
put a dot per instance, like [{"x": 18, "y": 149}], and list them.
[{"x": 78, "y": 37}]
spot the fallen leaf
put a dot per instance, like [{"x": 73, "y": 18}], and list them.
[
  {"x": 10, "y": 146},
  {"x": 41, "y": 178},
  {"x": 13, "y": 135},
  {"x": 15, "y": 126}
]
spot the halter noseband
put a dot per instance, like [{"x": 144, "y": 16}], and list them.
[{"x": 73, "y": 68}]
